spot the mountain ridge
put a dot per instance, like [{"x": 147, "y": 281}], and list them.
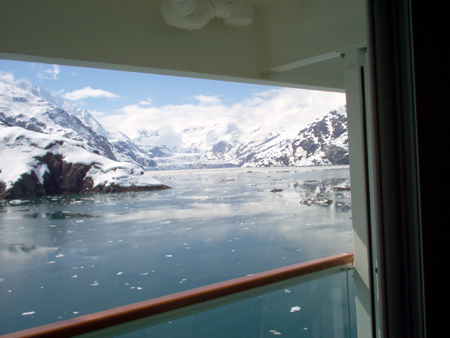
[{"x": 322, "y": 142}]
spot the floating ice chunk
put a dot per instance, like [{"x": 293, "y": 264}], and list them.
[
  {"x": 287, "y": 291},
  {"x": 51, "y": 262},
  {"x": 275, "y": 333},
  {"x": 144, "y": 273},
  {"x": 28, "y": 313},
  {"x": 119, "y": 273},
  {"x": 74, "y": 276},
  {"x": 169, "y": 256},
  {"x": 139, "y": 288},
  {"x": 295, "y": 309},
  {"x": 75, "y": 312},
  {"x": 59, "y": 255},
  {"x": 16, "y": 202},
  {"x": 94, "y": 284}
]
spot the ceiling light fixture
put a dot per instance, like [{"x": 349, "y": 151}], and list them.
[{"x": 195, "y": 14}]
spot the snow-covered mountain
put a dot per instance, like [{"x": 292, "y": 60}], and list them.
[
  {"x": 33, "y": 108},
  {"x": 37, "y": 164},
  {"x": 323, "y": 142},
  {"x": 45, "y": 149}
]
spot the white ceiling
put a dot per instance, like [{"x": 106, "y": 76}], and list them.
[{"x": 290, "y": 43}]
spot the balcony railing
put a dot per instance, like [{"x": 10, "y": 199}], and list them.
[{"x": 124, "y": 319}]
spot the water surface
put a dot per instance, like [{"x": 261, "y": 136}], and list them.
[{"x": 67, "y": 256}]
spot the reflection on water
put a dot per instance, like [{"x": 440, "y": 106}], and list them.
[
  {"x": 67, "y": 256},
  {"x": 22, "y": 247},
  {"x": 59, "y": 215}
]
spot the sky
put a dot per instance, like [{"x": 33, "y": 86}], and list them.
[{"x": 128, "y": 102}]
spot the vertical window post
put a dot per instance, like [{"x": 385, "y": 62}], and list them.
[{"x": 356, "y": 88}]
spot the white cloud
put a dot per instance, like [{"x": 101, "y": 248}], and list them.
[
  {"x": 88, "y": 92},
  {"x": 280, "y": 108},
  {"x": 145, "y": 103},
  {"x": 208, "y": 99},
  {"x": 7, "y": 78},
  {"x": 49, "y": 73}
]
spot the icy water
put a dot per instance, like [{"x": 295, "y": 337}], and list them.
[{"x": 68, "y": 256}]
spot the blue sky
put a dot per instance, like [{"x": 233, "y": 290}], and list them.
[{"x": 135, "y": 100}]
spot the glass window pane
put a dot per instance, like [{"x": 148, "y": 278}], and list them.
[{"x": 68, "y": 255}]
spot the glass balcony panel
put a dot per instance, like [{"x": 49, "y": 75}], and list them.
[{"x": 321, "y": 308}]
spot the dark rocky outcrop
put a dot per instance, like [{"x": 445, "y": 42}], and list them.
[
  {"x": 63, "y": 178},
  {"x": 336, "y": 155},
  {"x": 2, "y": 190},
  {"x": 27, "y": 186}
]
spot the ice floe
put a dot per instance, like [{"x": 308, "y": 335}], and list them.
[{"x": 295, "y": 309}]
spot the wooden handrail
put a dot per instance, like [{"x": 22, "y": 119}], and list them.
[{"x": 133, "y": 312}]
